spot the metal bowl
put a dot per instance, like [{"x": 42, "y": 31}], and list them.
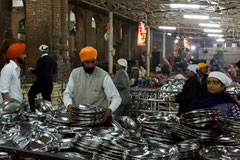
[
  {"x": 10, "y": 106},
  {"x": 44, "y": 106}
]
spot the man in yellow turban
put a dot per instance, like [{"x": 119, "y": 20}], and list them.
[
  {"x": 91, "y": 85},
  {"x": 202, "y": 74},
  {"x": 10, "y": 75}
]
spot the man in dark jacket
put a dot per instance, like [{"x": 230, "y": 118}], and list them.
[
  {"x": 202, "y": 74},
  {"x": 44, "y": 71},
  {"x": 191, "y": 89}
]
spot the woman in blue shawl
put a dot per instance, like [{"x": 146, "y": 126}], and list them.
[{"x": 216, "y": 97}]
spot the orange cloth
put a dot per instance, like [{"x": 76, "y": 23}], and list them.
[
  {"x": 201, "y": 65},
  {"x": 15, "y": 50},
  {"x": 88, "y": 53}
]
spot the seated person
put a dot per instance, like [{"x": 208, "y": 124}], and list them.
[{"x": 216, "y": 97}]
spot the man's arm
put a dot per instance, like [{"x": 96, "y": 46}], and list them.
[
  {"x": 38, "y": 68},
  {"x": 112, "y": 93},
  {"x": 5, "y": 80},
  {"x": 68, "y": 94}
]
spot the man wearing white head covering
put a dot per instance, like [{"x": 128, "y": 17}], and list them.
[
  {"x": 193, "y": 68},
  {"x": 191, "y": 89},
  {"x": 122, "y": 83},
  {"x": 44, "y": 71}
]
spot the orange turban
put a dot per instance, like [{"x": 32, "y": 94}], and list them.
[
  {"x": 88, "y": 53},
  {"x": 201, "y": 65},
  {"x": 15, "y": 50}
]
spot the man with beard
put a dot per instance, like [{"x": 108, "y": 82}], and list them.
[
  {"x": 202, "y": 74},
  {"x": 10, "y": 85},
  {"x": 91, "y": 85},
  {"x": 44, "y": 71}
]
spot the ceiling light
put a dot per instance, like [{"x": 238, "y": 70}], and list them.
[
  {"x": 169, "y": 34},
  {"x": 176, "y": 41},
  {"x": 190, "y": 6},
  {"x": 193, "y": 48},
  {"x": 220, "y": 40},
  {"x": 167, "y": 28},
  {"x": 215, "y": 35},
  {"x": 213, "y": 30},
  {"x": 195, "y": 16},
  {"x": 209, "y": 25}
]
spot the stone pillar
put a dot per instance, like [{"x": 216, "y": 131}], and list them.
[
  {"x": 5, "y": 14},
  {"x": 64, "y": 39},
  {"x": 56, "y": 35},
  {"x": 56, "y": 14}
]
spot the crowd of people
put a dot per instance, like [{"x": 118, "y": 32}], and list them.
[
  {"x": 91, "y": 85},
  {"x": 202, "y": 90}
]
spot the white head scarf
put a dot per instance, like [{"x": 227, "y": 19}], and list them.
[
  {"x": 193, "y": 68},
  {"x": 43, "y": 48},
  {"x": 123, "y": 62},
  {"x": 221, "y": 77}
]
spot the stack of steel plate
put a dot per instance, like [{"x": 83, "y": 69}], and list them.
[
  {"x": 104, "y": 149},
  {"x": 205, "y": 122},
  {"x": 188, "y": 149},
  {"x": 85, "y": 115},
  {"x": 35, "y": 116},
  {"x": 231, "y": 126},
  {"x": 131, "y": 141},
  {"x": 88, "y": 144},
  {"x": 227, "y": 140},
  {"x": 220, "y": 153},
  {"x": 59, "y": 119},
  {"x": 110, "y": 151},
  {"x": 156, "y": 127},
  {"x": 213, "y": 153},
  {"x": 183, "y": 132},
  {"x": 202, "y": 118},
  {"x": 151, "y": 152}
]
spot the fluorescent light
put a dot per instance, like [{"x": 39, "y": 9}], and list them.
[
  {"x": 215, "y": 35},
  {"x": 220, "y": 40},
  {"x": 176, "y": 41},
  {"x": 169, "y": 34},
  {"x": 213, "y": 30},
  {"x": 193, "y": 48},
  {"x": 167, "y": 28},
  {"x": 209, "y": 25},
  {"x": 191, "y": 6},
  {"x": 195, "y": 16}
]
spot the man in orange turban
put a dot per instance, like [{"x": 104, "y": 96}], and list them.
[
  {"x": 91, "y": 85},
  {"x": 10, "y": 75},
  {"x": 202, "y": 74}
]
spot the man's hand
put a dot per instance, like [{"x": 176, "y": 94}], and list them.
[
  {"x": 182, "y": 120},
  {"x": 107, "y": 112},
  {"x": 69, "y": 110}
]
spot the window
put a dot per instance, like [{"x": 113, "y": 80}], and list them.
[
  {"x": 21, "y": 28},
  {"x": 93, "y": 22}
]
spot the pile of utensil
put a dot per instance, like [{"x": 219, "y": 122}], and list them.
[{"x": 86, "y": 115}]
